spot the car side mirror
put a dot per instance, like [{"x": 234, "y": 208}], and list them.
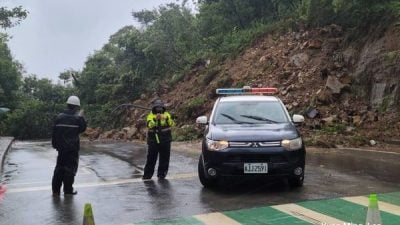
[
  {"x": 298, "y": 119},
  {"x": 202, "y": 120}
]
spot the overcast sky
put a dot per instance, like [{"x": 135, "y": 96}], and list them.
[{"x": 60, "y": 34}]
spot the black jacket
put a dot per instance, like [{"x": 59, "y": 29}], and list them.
[{"x": 67, "y": 127}]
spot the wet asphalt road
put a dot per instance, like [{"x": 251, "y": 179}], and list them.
[{"x": 109, "y": 179}]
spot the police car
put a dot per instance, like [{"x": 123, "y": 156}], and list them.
[{"x": 251, "y": 134}]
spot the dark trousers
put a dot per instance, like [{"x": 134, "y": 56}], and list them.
[
  {"x": 154, "y": 149},
  {"x": 64, "y": 173}
]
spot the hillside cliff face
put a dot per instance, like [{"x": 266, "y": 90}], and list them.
[
  {"x": 376, "y": 71},
  {"x": 348, "y": 91}
]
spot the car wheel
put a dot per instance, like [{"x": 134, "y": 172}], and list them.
[
  {"x": 296, "y": 181},
  {"x": 206, "y": 182}
]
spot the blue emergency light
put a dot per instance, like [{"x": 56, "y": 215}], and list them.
[
  {"x": 230, "y": 91},
  {"x": 246, "y": 90}
]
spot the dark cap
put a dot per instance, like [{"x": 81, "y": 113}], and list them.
[{"x": 157, "y": 104}]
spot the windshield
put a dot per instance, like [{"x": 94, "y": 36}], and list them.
[{"x": 250, "y": 112}]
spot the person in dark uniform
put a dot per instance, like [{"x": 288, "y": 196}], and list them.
[
  {"x": 65, "y": 139},
  {"x": 159, "y": 123}
]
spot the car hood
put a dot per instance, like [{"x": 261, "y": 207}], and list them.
[{"x": 252, "y": 132}]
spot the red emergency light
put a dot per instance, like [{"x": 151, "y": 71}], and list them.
[
  {"x": 246, "y": 90},
  {"x": 266, "y": 90}
]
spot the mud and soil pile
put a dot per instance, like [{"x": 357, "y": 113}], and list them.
[{"x": 347, "y": 91}]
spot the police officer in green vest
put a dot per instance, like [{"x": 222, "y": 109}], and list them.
[{"x": 159, "y": 123}]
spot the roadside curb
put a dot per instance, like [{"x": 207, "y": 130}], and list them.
[{"x": 5, "y": 145}]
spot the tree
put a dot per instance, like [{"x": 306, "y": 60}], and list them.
[
  {"x": 172, "y": 40},
  {"x": 31, "y": 119},
  {"x": 11, "y": 17},
  {"x": 38, "y": 103},
  {"x": 43, "y": 90},
  {"x": 10, "y": 71},
  {"x": 10, "y": 76},
  {"x": 145, "y": 17}
]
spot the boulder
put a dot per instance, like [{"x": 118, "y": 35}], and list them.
[
  {"x": 329, "y": 120},
  {"x": 334, "y": 84},
  {"x": 314, "y": 44},
  {"x": 92, "y": 133},
  {"x": 108, "y": 134},
  {"x": 300, "y": 59},
  {"x": 357, "y": 121}
]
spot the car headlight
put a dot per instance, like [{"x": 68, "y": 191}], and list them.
[
  {"x": 292, "y": 145},
  {"x": 217, "y": 145}
]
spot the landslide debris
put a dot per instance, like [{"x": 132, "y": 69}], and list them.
[{"x": 346, "y": 91}]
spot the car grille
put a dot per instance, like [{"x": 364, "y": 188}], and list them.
[
  {"x": 254, "y": 144},
  {"x": 249, "y": 158}
]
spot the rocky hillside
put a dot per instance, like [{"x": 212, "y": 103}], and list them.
[{"x": 348, "y": 90}]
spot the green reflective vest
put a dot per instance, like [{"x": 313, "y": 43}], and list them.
[{"x": 159, "y": 131}]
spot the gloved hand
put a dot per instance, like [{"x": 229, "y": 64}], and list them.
[
  {"x": 159, "y": 116},
  {"x": 81, "y": 113}
]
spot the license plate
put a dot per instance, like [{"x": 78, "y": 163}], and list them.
[{"x": 255, "y": 168}]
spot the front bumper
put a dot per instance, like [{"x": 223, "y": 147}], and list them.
[{"x": 230, "y": 162}]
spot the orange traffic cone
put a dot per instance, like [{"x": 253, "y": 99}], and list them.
[
  {"x": 373, "y": 214},
  {"x": 3, "y": 190}
]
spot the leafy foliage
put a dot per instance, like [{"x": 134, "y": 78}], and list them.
[
  {"x": 10, "y": 76},
  {"x": 39, "y": 101},
  {"x": 192, "y": 109},
  {"x": 32, "y": 119},
  {"x": 185, "y": 133},
  {"x": 11, "y": 17}
]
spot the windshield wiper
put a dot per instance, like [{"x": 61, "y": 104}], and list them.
[
  {"x": 259, "y": 118},
  {"x": 233, "y": 119}
]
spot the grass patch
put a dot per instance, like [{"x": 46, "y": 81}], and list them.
[
  {"x": 334, "y": 128},
  {"x": 194, "y": 108},
  {"x": 185, "y": 133}
]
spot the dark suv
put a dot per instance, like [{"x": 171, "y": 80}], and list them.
[{"x": 251, "y": 135}]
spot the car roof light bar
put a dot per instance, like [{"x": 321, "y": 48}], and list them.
[{"x": 246, "y": 90}]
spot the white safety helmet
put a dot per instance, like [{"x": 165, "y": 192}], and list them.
[{"x": 73, "y": 100}]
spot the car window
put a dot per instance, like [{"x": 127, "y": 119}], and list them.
[{"x": 249, "y": 112}]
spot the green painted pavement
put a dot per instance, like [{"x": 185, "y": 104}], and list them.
[
  {"x": 392, "y": 198},
  {"x": 264, "y": 216},
  {"x": 337, "y": 208},
  {"x": 347, "y": 211}
]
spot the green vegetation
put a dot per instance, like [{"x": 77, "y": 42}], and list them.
[
  {"x": 11, "y": 17},
  {"x": 192, "y": 109},
  {"x": 359, "y": 140},
  {"x": 335, "y": 128},
  {"x": 185, "y": 133},
  {"x": 171, "y": 40},
  {"x": 392, "y": 57},
  {"x": 35, "y": 104}
]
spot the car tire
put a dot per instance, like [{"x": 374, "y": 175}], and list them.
[
  {"x": 206, "y": 182},
  {"x": 296, "y": 182}
]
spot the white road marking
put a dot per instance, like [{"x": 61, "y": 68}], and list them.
[
  {"x": 98, "y": 184},
  {"x": 383, "y": 206},
  {"x": 138, "y": 169},
  {"x": 216, "y": 219},
  {"x": 307, "y": 214},
  {"x": 27, "y": 183}
]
